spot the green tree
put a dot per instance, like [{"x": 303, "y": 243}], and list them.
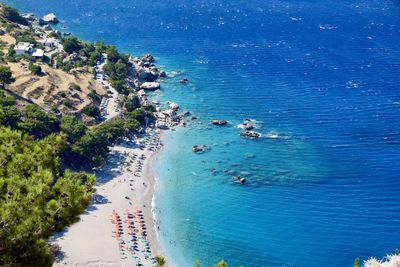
[
  {"x": 93, "y": 147},
  {"x": 35, "y": 198},
  {"x": 120, "y": 86},
  {"x": 71, "y": 44},
  {"x": 9, "y": 113},
  {"x": 38, "y": 123},
  {"x": 10, "y": 116},
  {"x": 94, "y": 57},
  {"x": 160, "y": 261},
  {"x": 112, "y": 53},
  {"x": 141, "y": 115},
  {"x": 92, "y": 111},
  {"x": 72, "y": 127},
  {"x": 35, "y": 69},
  {"x": 357, "y": 262},
  {"x": 13, "y": 15},
  {"x": 5, "y": 76},
  {"x": 221, "y": 264}
]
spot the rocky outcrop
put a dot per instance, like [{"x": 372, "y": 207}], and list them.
[
  {"x": 162, "y": 125},
  {"x": 132, "y": 101},
  {"x": 49, "y": 18},
  {"x": 29, "y": 16},
  {"x": 150, "y": 86},
  {"x": 148, "y": 58},
  {"x": 247, "y": 125},
  {"x": 143, "y": 70},
  {"x": 239, "y": 179},
  {"x": 200, "y": 148},
  {"x": 146, "y": 75},
  {"x": 219, "y": 122},
  {"x": 251, "y": 134},
  {"x": 173, "y": 105}
]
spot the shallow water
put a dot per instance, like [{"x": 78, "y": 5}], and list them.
[{"x": 321, "y": 77}]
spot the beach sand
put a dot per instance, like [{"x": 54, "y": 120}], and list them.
[{"x": 125, "y": 183}]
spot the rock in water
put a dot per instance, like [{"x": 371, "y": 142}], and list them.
[
  {"x": 199, "y": 148},
  {"x": 219, "y": 122},
  {"x": 173, "y": 106},
  {"x": 148, "y": 58},
  {"x": 251, "y": 134},
  {"x": 150, "y": 86},
  {"x": 240, "y": 179},
  {"x": 49, "y": 18}
]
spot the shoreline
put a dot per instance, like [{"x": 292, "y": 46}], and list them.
[
  {"x": 81, "y": 242},
  {"x": 121, "y": 214}
]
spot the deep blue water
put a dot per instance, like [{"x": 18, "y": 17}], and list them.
[{"x": 323, "y": 75}]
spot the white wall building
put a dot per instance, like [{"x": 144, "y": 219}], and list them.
[
  {"x": 50, "y": 42},
  {"x": 23, "y": 48}
]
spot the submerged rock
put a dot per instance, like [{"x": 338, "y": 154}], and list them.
[
  {"x": 239, "y": 179},
  {"x": 251, "y": 134},
  {"x": 247, "y": 126},
  {"x": 173, "y": 105},
  {"x": 219, "y": 122},
  {"x": 199, "y": 148}
]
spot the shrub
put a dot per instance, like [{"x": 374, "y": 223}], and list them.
[
  {"x": 43, "y": 200},
  {"x": 92, "y": 111},
  {"x": 35, "y": 69},
  {"x": 71, "y": 44},
  {"x": 74, "y": 86},
  {"x": 68, "y": 103},
  {"x": 12, "y": 15},
  {"x": 38, "y": 123}
]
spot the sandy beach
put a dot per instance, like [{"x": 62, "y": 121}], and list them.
[{"x": 121, "y": 211}]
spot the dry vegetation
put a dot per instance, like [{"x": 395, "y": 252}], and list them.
[
  {"x": 55, "y": 87},
  {"x": 68, "y": 92}
]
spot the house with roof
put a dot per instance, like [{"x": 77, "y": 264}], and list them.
[
  {"x": 38, "y": 53},
  {"x": 50, "y": 42},
  {"x": 23, "y": 48}
]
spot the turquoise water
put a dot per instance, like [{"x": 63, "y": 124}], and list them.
[{"x": 322, "y": 75}]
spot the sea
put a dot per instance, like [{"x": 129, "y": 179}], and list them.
[{"x": 320, "y": 79}]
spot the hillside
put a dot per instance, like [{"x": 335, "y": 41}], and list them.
[{"x": 55, "y": 89}]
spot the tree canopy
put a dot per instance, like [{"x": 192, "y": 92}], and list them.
[
  {"x": 72, "y": 127},
  {"x": 222, "y": 263},
  {"x": 13, "y": 15},
  {"x": 71, "y": 44},
  {"x": 38, "y": 123},
  {"x": 5, "y": 76},
  {"x": 35, "y": 198}
]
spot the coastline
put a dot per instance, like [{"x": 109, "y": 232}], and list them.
[{"x": 81, "y": 242}]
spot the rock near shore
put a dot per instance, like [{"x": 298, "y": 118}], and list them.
[
  {"x": 150, "y": 86},
  {"x": 251, "y": 134},
  {"x": 219, "y": 122},
  {"x": 200, "y": 148},
  {"x": 49, "y": 18}
]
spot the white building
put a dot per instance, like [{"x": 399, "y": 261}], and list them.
[
  {"x": 23, "y": 48},
  {"x": 50, "y": 42},
  {"x": 38, "y": 53}
]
